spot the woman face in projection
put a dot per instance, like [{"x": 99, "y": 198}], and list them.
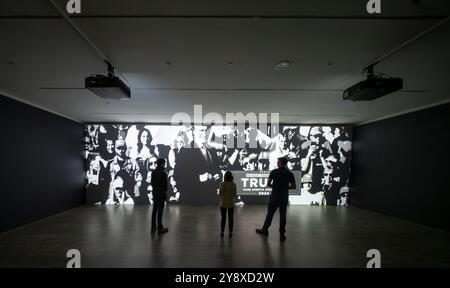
[
  {"x": 145, "y": 138},
  {"x": 110, "y": 146}
]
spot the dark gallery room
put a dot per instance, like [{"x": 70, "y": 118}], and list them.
[{"x": 215, "y": 135}]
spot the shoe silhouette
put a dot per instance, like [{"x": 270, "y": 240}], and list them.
[
  {"x": 221, "y": 234},
  {"x": 262, "y": 231},
  {"x": 162, "y": 230},
  {"x": 153, "y": 230},
  {"x": 282, "y": 237}
]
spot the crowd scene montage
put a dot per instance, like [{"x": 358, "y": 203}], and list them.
[{"x": 121, "y": 157}]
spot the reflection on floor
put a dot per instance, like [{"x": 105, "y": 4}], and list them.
[{"x": 316, "y": 237}]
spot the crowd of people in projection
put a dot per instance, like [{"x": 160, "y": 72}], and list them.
[{"x": 121, "y": 157}]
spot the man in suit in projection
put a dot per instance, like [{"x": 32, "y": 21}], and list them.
[
  {"x": 197, "y": 171},
  {"x": 281, "y": 180}
]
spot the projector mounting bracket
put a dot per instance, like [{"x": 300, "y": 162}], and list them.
[
  {"x": 369, "y": 70},
  {"x": 110, "y": 69}
]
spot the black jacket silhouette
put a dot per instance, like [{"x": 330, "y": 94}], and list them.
[
  {"x": 159, "y": 183},
  {"x": 190, "y": 165}
]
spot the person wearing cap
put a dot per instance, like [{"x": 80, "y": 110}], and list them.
[
  {"x": 305, "y": 197},
  {"x": 306, "y": 183},
  {"x": 343, "y": 196},
  {"x": 281, "y": 180},
  {"x": 311, "y": 163},
  {"x": 305, "y": 193}
]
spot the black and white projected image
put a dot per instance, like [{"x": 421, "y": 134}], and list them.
[
  {"x": 120, "y": 158},
  {"x": 323, "y": 154}
]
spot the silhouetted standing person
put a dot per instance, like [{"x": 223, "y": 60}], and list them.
[
  {"x": 281, "y": 180},
  {"x": 159, "y": 184},
  {"x": 227, "y": 195}
]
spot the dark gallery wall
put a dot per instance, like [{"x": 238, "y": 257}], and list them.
[
  {"x": 401, "y": 167},
  {"x": 42, "y": 170}
]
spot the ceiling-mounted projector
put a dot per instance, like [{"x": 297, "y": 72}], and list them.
[
  {"x": 373, "y": 87},
  {"x": 108, "y": 87}
]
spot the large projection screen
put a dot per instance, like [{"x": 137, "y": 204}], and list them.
[{"x": 120, "y": 158}]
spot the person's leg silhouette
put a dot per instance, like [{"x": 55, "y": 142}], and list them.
[
  {"x": 223, "y": 212},
  {"x": 283, "y": 210},
  {"x": 230, "y": 220},
  {"x": 271, "y": 209}
]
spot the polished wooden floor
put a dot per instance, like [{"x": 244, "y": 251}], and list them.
[{"x": 316, "y": 237}]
